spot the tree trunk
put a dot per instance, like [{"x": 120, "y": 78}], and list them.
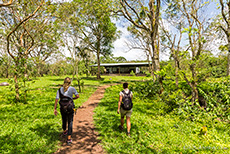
[
  {"x": 194, "y": 83},
  {"x": 17, "y": 96},
  {"x": 154, "y": 32},
  {"x": 228, "y": 67},
  {"x": 73, "y": 73},
  {"x": 176, "y": 71},
  {"x": 98, "y": 65}
]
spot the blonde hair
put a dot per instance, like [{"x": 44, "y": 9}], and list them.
[{"x": 66, "y": 84}]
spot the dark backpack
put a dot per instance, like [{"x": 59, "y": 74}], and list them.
[
  {"x": 66, "y": 103},
  {"x": 127, "y": 101}
]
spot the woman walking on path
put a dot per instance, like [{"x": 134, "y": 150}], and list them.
[
  {"x": 65, "y": 94},
  {"x": 125, "y": 107}
]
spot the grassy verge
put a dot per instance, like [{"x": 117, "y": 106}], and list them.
[
  {"x": 32, "y": 127},
  {"x": 155, "y": 132}
]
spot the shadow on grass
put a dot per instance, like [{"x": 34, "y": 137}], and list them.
[
  {"x": 15, "y": 142},
  {"x": 93, "y": 78},
  {"x": 57, "y": 79},
  {"x": 46, "y": 131}
]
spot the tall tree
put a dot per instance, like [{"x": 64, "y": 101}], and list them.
[
  {"x": 142, "y": 41},
  {"x": 225, "y": 11},
  {"x": 169, "y": 41},
  {"x": 195, "y": 27},
  {"x": 71, "y": 26},
  {"x": 99, "y": 31},
  {"x": 147, "y": 19},
  {"x": 19, "y": 40}
]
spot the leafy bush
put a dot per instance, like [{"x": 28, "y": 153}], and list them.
[
  {"x": 132, "y": 73},
  {"x": 148, "y": 74},
  {"x": 145, "y": 89},
  {"x": 217, "y": 96}
]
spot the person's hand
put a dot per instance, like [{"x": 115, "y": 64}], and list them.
[
  {"x": 55, "y": 112},
  {"x": 118, "y": 111}
]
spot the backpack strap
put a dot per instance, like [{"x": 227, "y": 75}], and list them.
[
  {"x": 129, "y": 93},
  {"x": 61, "y": 95},
  {"x": 126, "y": 93}
]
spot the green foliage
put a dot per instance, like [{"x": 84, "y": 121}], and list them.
[
  {"x": 132, "y": 73},
  {"x": 217, "y": 96},
  {"x": 147, "y": 89},
  {"x": 148, "y": 74}
]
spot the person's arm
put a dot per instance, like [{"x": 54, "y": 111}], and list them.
[
  {"x": 119, "y": 104},
  {"x": 74, "y": 91},
  {"x": 76, "y": 96},
  {"x": 55, "y": 107}
]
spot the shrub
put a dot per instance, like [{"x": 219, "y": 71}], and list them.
[{"x": 132, "y": 73}]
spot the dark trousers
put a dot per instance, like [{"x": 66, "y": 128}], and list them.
[{"x": 67, "y": 118}]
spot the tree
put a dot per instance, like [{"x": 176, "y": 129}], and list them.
[
  {"x": 19, "y": 40},
  {"x": 47, "y": 41},
  {"x": 141, "y": 40},
  {"x": 70, "y": 26},
  {"x": 226, "y": 27},
  {"x": 195, "y": 27},
  {"x": 174, "y": 47},
  {"x": 147, "y": 19},
  {"x": 99, "y": 32}
]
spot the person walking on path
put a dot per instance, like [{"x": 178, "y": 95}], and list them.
[
  {"x": 65, "y": 94},
  {"x": 125, "y": 107}
]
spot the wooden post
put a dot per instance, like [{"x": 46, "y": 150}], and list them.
[{"x": 119, "y": 68}]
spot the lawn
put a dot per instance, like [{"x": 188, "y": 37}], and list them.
[
  {"x": 32, "y": 127},
  {"x": 154, "y": 131}
]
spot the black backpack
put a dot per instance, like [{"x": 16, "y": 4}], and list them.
[
  {"x": 66, "y": 103},
  {"x": 127, "y": 101}
]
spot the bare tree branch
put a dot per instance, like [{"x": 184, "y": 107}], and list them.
[
  {"x": 128, "y": 16},
  {"x": 17, "y": 26},
  {"x": 6, "y": 4},
  {"x": 222, "y": 12}
]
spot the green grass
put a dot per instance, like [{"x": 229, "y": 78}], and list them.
[
  {"x": 32, "y": 128},
  {"x": 153, "y": 131}
]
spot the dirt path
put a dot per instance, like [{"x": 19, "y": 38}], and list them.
[{"x": 84, "y": 136}]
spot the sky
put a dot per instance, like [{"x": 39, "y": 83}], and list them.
[
  {"x": 121, "y": 49},
  {"x": 120, "y": 45}
]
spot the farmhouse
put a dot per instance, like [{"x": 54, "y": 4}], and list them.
[{"x": 123, "y": 68}]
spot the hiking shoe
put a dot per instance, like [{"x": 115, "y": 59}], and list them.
[
  {"x": 128, "y": 134},
  {"x": 121, "y": 128},
  {"x": 64, "y": 133},
  {"x": 69, "y": 142}
]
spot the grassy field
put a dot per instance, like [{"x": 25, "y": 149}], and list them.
[
  {"x": 32, "y": 128},
  {"x": 153, "y": 131}
]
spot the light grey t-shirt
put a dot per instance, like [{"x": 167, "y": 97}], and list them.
[{"x": 69, "y": 93}]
